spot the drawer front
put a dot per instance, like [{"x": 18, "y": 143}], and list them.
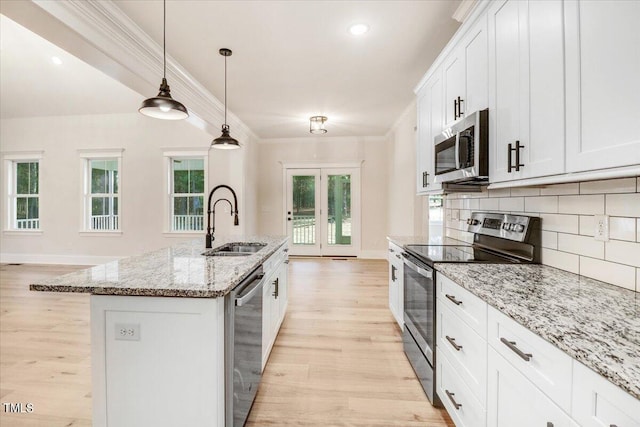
[
  {"x": 394, "y": 252},
  {"x": 548, "y": 367},
  {"x": 597, "y": 402},
  {"x": 468, "y": 307},
  {"x": 453, "y": 391},
  {"x": 465, "y": 349}
]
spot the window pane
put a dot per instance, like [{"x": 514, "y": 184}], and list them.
[
  {"x": 33, "y": 208},
  {"x": 33, "y": 177},
  {"x": 99, "y": 177},
  {"x": 304, "y": 210},
  {"x": 180, "y": 206},
  {"x": 115, "y": 179},
  {"x": 196, "y": 183},
  {"x": 339, "y": 200},
  {"x": 99, "y": 206},
  {"x": 180, "y": 176},
  {"x": 115, "y": 206},
  {"x": 21, "y": 208},
  {"x": 22, "y": 178}
]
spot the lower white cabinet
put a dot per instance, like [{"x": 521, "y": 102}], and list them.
[
  {"x": 396, "y": 283},
  {"x": 597, "y": 402},
  {"x": 513, "y": 400},
  {"x": 274, "y": 299}
]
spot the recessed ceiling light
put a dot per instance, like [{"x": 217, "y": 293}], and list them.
[
  {"x": 358, "y": 29},
  {"x": 56, "y": 60}
]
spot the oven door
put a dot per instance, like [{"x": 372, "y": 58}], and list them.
[{"x": 419, "y": 304}]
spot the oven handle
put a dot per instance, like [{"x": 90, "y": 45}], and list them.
[{"x": 426, "y": 273}]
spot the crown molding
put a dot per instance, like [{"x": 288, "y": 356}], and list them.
[{"x": 103, "y": 25}]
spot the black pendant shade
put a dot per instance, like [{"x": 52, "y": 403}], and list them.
[
  {"x": 225, "y": 141},
  {"x": 163, "y": 106}
]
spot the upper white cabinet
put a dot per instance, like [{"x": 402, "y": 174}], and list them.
[
  {"x": 526, "y": 89},
  {"x": 430, "y": 123},
  {"x": 603, "y": 87},
  {"x": 465, "y": 75}
]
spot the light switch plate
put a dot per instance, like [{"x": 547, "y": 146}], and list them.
[{"x": 601, "y": 227}]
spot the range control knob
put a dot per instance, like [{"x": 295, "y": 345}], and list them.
[
  {"x": 505, "y": 226},
  {"x": 519, "y": 228}
]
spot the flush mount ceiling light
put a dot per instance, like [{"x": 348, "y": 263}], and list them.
[
  {"x": 225, "y": 141},
  {"x": 316, "y": 125},
  {"x": 358, "y": 29},
  {"x": 163, "y": 106}
]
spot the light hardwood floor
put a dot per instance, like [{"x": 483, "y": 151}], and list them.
[{"x": 337, "y": 361}]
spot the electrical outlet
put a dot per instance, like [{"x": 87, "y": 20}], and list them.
[
  {"x": 601, "y": 230},
  {"x": 127, "y": 331}
]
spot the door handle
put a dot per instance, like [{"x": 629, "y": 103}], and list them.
[
  {"x": 450, "y": 396},
  {"x": 452, "y": 341},
  {"x": 512, "y": 346},
  {"x": 460, "y": 101},
  {"x": 517, "y": 148}
]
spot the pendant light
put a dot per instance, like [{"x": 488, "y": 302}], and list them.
[
  {"x": 225, "y": 141},
  {"x": 163, "y": 106}
]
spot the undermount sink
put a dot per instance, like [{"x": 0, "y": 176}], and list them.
[{"x": 235, "y": 249}]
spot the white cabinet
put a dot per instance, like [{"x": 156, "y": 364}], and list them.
[
  {"x": 603, "y": 65},
  {"x": 526, "y": 89},
  {"x": 396, "y": 283},
  {"x": 597, "y": 402},
  {"x": 512, "y": 400},
  {"x": 465, "y": 75},
  {"x": 274, "y": 299},
  {"x": 430, "y": 123}
]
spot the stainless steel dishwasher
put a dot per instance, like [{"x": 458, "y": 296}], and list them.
[{"x": 243, "y": 347}]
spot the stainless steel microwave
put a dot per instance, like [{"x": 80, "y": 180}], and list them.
[{"x": 461, "y": 152}]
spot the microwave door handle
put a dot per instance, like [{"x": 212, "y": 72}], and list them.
[{"x": 457, "y": 155}]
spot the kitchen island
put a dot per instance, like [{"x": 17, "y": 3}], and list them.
[{"x": 158, "y": 329}]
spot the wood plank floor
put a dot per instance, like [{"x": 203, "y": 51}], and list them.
[{"x": 337, "y": 361}]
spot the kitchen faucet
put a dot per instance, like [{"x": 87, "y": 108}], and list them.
[{"x": 211, "y": 211}]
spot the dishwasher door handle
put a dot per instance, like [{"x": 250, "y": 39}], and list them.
[
  {"x": 252, "y": 290},
  {"x": 419, "y": 270}
]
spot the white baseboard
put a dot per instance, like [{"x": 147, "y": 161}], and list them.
[
  {"x": 373, "y": 254},
  {"x": 7, "y": 258}
]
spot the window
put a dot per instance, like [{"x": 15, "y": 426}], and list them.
[
  {"x": 102, "y": 182},
  {"x": 187, "y": 181},
  {"x": 24, "y": 195}
]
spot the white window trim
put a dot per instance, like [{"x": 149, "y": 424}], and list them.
[
  {"x": 184, "y": 153},
  {"x": 10, "y": 159},
  {"x": 86, "y": 155}
]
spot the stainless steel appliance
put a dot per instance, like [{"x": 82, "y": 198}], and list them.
[
  {"x": 498, "y": 238},
  {"x": 243, "y": 347},
  {"x": 462, "y": 151}
]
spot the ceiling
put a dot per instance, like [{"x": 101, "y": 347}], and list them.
[{"x": 291, "y": 60}]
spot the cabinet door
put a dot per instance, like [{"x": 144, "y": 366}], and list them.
[
  {"x": 454, "y": 85},
  {"x": 514, "y": 401},
  {"x": 267, "y": 314},
  {"x": 430, "y": 123},
  {"x": 283, "y": 290},
  {"x": 526, "y": 89},
  {"x": 603, "y": 65},
  {"x": 475, "y": 51}
]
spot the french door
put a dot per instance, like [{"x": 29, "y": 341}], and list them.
[{"x": 323, "y": 211}]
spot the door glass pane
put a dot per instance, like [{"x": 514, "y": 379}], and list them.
[
  {"x": 304, "y": 209},
  {"x": 339, "y": 210}
]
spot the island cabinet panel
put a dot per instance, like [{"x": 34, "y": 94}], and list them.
[
  {"x": 603, "y": 65},
  {"x": 157, "y": 361},
  {"x": 275, "y": 298},
  {"x": 396, "y": 284}
]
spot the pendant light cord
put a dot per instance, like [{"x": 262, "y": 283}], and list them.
[
  {"x": 225, "y": 90},
  {"x": 164, "y": 39}
]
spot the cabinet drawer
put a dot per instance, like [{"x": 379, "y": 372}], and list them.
[
  {"x": 394, "y": 253},
  {"x": 468, "y": 307},
  {"x": 465, "y": 349},
  {"x": 453, "y": 391},
  {"x": 597, "y": 402},
  {"x": 548, "y": 367}
]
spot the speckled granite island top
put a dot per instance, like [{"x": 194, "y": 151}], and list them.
[
  {"x": 595, "y": 323},
  {"x": 177, "y": 271}
]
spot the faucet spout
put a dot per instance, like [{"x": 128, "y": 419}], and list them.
[{"x": 211, "y": 213}]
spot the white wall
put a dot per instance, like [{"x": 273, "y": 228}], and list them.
[
  {"x": 374, "y": 181},
  {"x": 142, "y": 190}
]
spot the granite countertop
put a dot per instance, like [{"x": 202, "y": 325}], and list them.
[
  {"x": 594, "y": 322},
  {"x": 177, "y": 271},
  {"x": 424, "y": 240}
]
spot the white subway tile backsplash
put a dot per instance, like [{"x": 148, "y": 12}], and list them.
[
  {"x": 547, "y": 204},
  {"x": 464, "y": 215},
  {"x": 623, "y": 204},
  {"x": 583, "y": 205},
  {"x": 561, "y": 260},
  {"x": 549, "y": 239},
  {"x": 489, "y": 204},
  {"x": 581, "y": 245},
  {"x": 511, "y": 204},
  {"x": 500, "y": 192},
  {"x": 525, "y": 191},
  {"x": 625, "y": 185},
  {"x": 560, "y": 223},
  {"x": 622, "y": 228},
  {"x": 560, "y": 189},
  {"x": 637, "y": 279},
  {"x": 623, "y": 252},
  {"x": 587, "y": 224},
  {"x": 470, "y": 204},
  {"x": 610, "y": 272},
  {"x": 638, "y": 230}
]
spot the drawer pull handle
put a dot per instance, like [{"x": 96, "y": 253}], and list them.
[
  {"x": 453, "y": 299},
  {"x": 549, "y": 424},
  {"x": 452, "y": 341},
  {"x": 512, "y": 345},
  {"x": 613, "y": 425},
  {"x": 450, "y": 396},
  {"x": 398, "y": 256}
]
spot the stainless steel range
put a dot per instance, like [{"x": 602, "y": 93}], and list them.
[{"x": 498, "y": 238}]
